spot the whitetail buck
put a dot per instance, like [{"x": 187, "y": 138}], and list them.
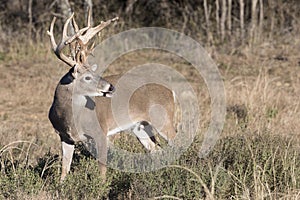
[{"x": 89, "y": 85}]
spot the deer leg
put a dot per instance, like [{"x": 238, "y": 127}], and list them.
[
  {"x": 67, "y": 155},
  {"x": 149, "y": 130},
  {"x": 168, "y": 132},
  {"x": 143, "y": 131},
  {"x": 102, "y": 154},
  {"x": 103, "y": 170}
]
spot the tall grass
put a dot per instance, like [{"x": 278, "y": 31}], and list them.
[{"x": 240, "y": 167}]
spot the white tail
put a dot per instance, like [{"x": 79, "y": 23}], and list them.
[{"x": 89, "y": 84}]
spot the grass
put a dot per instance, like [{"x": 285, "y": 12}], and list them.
[
  {"x": 240, "y": 167},
  {"x": 256, "y": 157}
]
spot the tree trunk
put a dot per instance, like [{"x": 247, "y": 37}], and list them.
[
  {"x": 65, "y": 8},
  {"x": 242, "y": 20},
  {"x": 261, "y": 19},
  {"x": 229, "y": 20},
  {"x": 253, "y": 21},
  {"x": 66, "y": 12},
  {"x": 272, "y": 17},
  {"x": 218, "y": 17},
  {"x": 30, "y": 26},
  {"x": 223, "y": 19},
  {"x": 208, "y": 31}
]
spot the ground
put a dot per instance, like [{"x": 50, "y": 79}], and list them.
[{"x": 262, "y": 87}]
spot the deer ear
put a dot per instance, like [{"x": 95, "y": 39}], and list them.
[
  {"x": 94, "y": 67},
  {"x": 75, "y": 71}
]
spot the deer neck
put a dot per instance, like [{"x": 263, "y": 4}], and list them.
[
  {"x": 61, "y": 111},
  {"x": 64, "y": 92},
  {"x": 70, "y": 109}
]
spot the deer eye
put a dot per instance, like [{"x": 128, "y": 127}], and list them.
[{"x": 87, "y": 78}]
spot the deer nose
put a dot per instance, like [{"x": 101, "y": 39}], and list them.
[{"x": 111, "y": 88}]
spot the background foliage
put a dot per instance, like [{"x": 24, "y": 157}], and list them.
[{"x": 256, "y": 45}]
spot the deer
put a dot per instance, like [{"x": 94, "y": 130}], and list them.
[{"x": 92, "y": 89}]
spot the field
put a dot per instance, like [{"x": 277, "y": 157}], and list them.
[{"x": 256, "y": 157}]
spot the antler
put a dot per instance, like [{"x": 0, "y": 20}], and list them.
[{"x": 78, "y": 41}]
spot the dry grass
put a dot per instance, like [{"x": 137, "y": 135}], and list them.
[
  {"x": 27, "y": 86},
  {"x": 262, "y": 91},
  {"x": 268, "y": 91}
]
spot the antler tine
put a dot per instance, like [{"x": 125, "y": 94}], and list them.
[
  {"x": 58, "y": 48},
  {"x": 93, "y": 31},
  {"x": 50, "y": 33},
  {"x": 65, "y": 29},
  {"x": 90, "y": 50},
  {"x": 76, "y": 35},
  {"x": 66, "y": 38},
  {"x": 75, "y": 25},
  {"x": 92, "y": 47},
  {"x": 86, "y": 37},
  {"x": 81, "y": 37}
]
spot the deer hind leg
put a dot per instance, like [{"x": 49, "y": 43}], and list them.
[
  {"x": 144, "y": 132},
  {"x": 167, "y": 132},
  {"x": 67, "y": 155}
]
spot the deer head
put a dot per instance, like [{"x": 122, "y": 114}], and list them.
[{"x": 81, "y": 72}]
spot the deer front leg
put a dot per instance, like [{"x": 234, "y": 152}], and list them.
[
  {"x": 101, "y": 156},
  {"x": 103, "y": 169},
  {"x": 67, "y": 155}
]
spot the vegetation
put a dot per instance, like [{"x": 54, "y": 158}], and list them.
[
  {"x": 215, "y": 22},
  {"x": 257, "y": 52},
  {"x": 240, "y": 167}
]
